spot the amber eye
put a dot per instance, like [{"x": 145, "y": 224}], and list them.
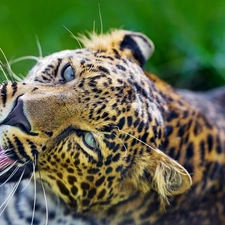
[
  {"x": 68, "y": 73},
  {"x": 89, "y": 140}
]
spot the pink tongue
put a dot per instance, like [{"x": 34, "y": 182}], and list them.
[{"x": 4, "y": 160}]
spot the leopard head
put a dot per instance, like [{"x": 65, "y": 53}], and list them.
[{"x": 90, "y": 124}]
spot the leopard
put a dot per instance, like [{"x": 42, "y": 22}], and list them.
[{"x": 90, "y": 137}]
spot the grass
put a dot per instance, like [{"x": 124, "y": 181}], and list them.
[{"x": 189, "y": 35}]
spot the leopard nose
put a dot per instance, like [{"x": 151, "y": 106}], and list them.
[{"x": 18, "y": 119}]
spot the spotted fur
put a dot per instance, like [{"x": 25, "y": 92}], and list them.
[{"x": 108, "y": 143}]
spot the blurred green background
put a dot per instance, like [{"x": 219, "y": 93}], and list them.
[{"x": 189, "y": 36}]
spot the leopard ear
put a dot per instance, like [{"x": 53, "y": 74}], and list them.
[
  {"x": 132, "y": 44},
  {"x": 163, "y": 174},
  {"x": 137, "y": 45}
]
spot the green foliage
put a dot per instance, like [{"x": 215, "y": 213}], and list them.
[{"x": 189, "y": 36}]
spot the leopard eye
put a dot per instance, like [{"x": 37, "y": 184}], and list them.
[
  {"x": 89, "y": 140},
  {"x": 68, "y": 73}
]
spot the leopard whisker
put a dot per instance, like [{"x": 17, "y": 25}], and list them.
[
  {"x": 122, "y": 144},
  {"x": 100, "y": 17},
  {"x": 45, "y": 198},
  {"x": 75, "y": 37},
  {"x": 94, "y": 28},
  {"x": 13, "y": 75},
  {"x": 37, "y": 59},
  {"x": 7, "y": 150},
  {"x": 35, "y": 190},
  {"x": 28, "y": 182},
  {"x": 9, "y": 197},
  {"x": 5, "y": 153},
  {"x": 101, "y": 24},
  {"x": 39, "y": 48},
  {"x": 25, "y": 186},
  {"x": 11, "y": 175},
  {"x": 21, "y": 77},
  {"x": 4, "y": 73},
  {"x": 7, "y": 168},
  {"x": 8, "y": 65},
  {"x": 155, "y": 149}
]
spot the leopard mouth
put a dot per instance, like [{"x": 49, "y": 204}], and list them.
[
  {"x": 11, "y": 171},
  {"x": 5, "y": 161}
]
